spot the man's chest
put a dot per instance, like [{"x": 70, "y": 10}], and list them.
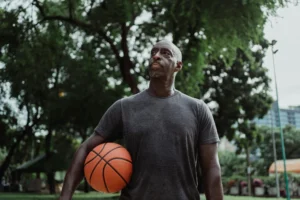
[{"x": 169, "y": 120}]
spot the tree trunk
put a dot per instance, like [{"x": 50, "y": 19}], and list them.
[
  {"x": 51, "y": 182},
  {"x": 83, "y": 137},
  {"x": 128, "y": 78},
  {"x": 48, "y": 142},
  {"x": 125, "y": 63},
  {"x": 248, "y": 171},
  {"x": 11, "y": 152},
  {"x": 50, "y": 175}
]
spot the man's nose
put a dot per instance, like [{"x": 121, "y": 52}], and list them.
[{"x": 156, "y": 56}]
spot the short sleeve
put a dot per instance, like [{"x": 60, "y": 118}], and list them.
[
  {"x": 207, "y": 128},
  {"x": 111, "y": 126}
]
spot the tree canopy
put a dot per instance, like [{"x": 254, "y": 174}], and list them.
[
  {"x": 65, "y": 62},
  {"x": 291, "y": 139}
]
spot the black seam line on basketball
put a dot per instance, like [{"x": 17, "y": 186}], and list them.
[
  {"x": 107, "y": 163},
  {"x": 98, "y": 161},
  {"x": 119, "y": 159},
  {"x": 95, "y": 155},
  {"x": 104, "y": 177},
  {"x": 102, "y": 158}
]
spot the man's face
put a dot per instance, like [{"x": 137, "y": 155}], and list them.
[{"x": 163, "y": 61}]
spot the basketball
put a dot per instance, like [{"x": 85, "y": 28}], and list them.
[{"x": 108, "y": 167}]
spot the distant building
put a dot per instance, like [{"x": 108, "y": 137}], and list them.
[{"x": 290, "y": 116}]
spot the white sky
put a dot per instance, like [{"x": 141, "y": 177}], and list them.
[{"x": 286, "y": 30}]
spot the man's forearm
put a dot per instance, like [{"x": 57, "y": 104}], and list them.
[
  {"x": 74, "y": 174},
  {"x": 213, "y": 183}
]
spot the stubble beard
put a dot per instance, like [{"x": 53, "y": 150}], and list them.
[{"x": 154, "y": 74}]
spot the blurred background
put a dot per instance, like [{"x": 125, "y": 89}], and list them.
[{"x": 63, "y": 63}]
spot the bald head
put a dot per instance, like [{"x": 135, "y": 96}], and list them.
[
  {"x": 165, "y": 61},
  {"x": 175, "y": 49}
]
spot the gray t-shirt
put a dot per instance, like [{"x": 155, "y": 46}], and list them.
[{"x": 162, "y": 135}]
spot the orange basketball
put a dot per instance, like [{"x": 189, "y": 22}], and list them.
[{"x": 108, "y": 167}]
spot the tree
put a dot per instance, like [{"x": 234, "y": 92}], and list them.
[
  {"x": 44, "y": 79},
  {"x": 239, "y": 91},
  {"x": 291, "y": 140},
  {"x": 199, "y": 28},
  {"x": 46, "y": 51},
  {"x": 85, "y": 95},
  {"x": 193, "y": 24},
  {"x": 10, "y": 32},
  {"x": 231, "y": 164},
  {"x": 245, "y": 140},
  {"x": 29, "y": 72}
]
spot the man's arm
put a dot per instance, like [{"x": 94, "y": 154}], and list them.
[
  {"x": 211, "y": 171},
  {"x": 75, "y": 172}
]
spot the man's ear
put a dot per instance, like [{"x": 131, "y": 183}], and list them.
[{"x": 178, "y": 66}]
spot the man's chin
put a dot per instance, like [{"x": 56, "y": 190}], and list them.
[
  {"x": 155, "y": 74},
  {"x": 155, "y": 66}
]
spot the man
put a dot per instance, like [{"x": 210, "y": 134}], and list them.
[{"x": 165, "y": 131}]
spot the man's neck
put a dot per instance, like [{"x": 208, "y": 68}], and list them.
[{"x": 161, "y": 88}]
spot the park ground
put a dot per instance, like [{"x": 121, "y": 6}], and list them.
[{"x": 98, "y": 196}]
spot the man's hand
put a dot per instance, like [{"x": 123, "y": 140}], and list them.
[{"x": 211, "y": 170}]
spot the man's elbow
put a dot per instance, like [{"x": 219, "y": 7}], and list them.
[
  {"x": 213, "y": 172},
  {"x": 213, "y": 166}
]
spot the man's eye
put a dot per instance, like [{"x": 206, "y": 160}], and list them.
[
  {"x": 166, "y": 53},
  {"x": 153, "y": 53}
]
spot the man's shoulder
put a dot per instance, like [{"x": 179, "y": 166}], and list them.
[
  {"x": 191, "y": 100},
  {"x": 133, "y": 98}
]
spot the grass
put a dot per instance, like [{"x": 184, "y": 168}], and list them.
[
  {"x": 248, "y": 198},
  {"x": 82, "y": 196},
  {"x": 99, "y": 196}
]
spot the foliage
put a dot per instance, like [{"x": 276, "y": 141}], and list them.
[
  {"x": 240, "y": 91},
  {"x": 231, "y": 164},
  {"x": 66, "y": 61},
  {"x": 259, "y": 167},
  {"x": 101, "y": 22},
  {"x": 38, "y": 70},
  {"x": 291, "y": 141},
  {"x": 198, "y": 27},
  {"x": 3, "y": 154},
  {"x": 232, "y": 181},
  {"x": 269, "y": 181},
  {"x": 297, "y": 180},
  {"x": 247, "y": 137}
]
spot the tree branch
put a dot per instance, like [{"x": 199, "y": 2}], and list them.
[
  {"x": 28, "y": 115},
  {"x": 36, "y": 118},
  {"x": 39, "y": 6},
  {"x": 80, "y": 24},
  {"x": 127, "y": 64},
  {"x": 91, "y": 7},
  {"x": 112, "y": 46},
  {"x": 134, "y": 16},
  {"x": 70, "y": 9},
  {"x": 124, "y": 40}
]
